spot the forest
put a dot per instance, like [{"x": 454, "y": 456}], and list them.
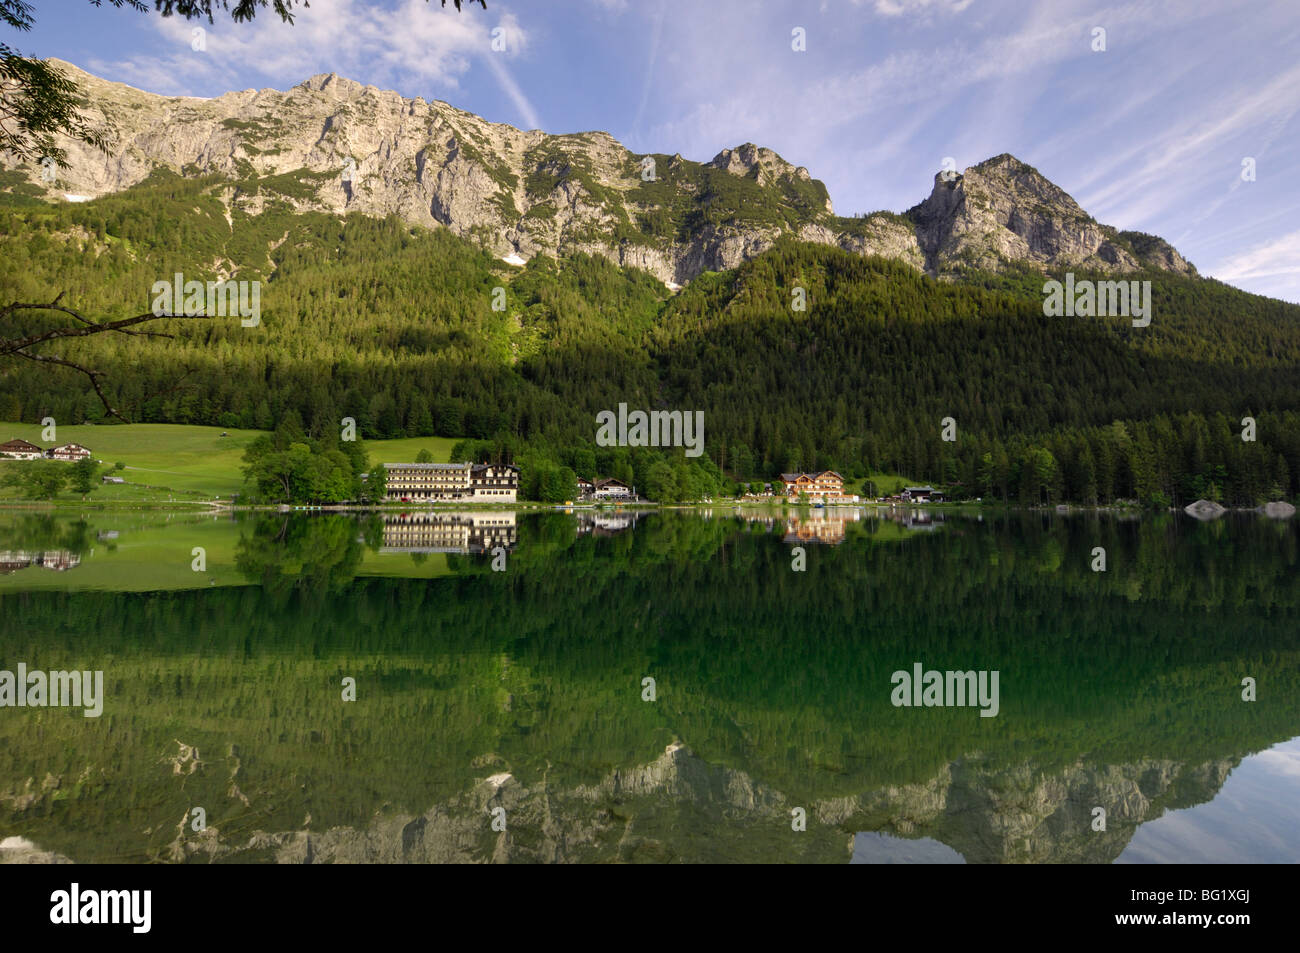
[{"x": 415, "y": 332}]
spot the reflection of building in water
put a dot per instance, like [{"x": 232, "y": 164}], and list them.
[
  {"x": 605, "y": 524},
  {"x": 914, "y": 518},
  {"x": 450, "y": 532},
  {"x": 12, "y": 562},
  {"x": 827, "y": 527},
  {"x": 55, "y": 559}
]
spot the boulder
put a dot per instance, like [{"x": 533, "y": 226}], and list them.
[{"x": 1204, "y": 510}]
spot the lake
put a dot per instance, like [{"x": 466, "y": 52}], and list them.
[{"x": 834, "y": 686}]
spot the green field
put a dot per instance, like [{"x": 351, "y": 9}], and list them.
[
  {"x": 405, "y": 449},
  {"x": 890, "y": 484},
  {"x": 179, "y": 462}
]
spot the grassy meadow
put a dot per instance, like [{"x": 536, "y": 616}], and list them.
[{"x": 179, "y": 462}]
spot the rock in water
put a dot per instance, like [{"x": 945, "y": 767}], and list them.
[
  {"x": 1278, "y": 510},
  {"x": 1204, "y": 510}
]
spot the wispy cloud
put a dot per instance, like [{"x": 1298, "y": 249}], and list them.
[
  {"x": 1279, "y": 256},
  {"x": 898, "y": 8},
  {"x": 502, "y": 73},
  {"x": 407, "y": 45},
  {"x": 656, "y": 32}
]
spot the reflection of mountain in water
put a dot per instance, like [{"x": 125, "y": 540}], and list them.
[
  {"x": 680, "y": 808},
  {"x": 465, "y": 533},
  {"x": 873, "y": 847}
]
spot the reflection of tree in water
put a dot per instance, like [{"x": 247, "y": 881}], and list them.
[
  {"x": 372, "y": 531},
  {"x": 313, "y": 555},
  {"x": 46, "y": 531}
]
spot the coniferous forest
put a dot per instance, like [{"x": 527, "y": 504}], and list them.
[{"x": 403, "y": 329}]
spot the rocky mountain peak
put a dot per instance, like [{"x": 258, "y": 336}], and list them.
[
  {"x": 763, "y": 165},
  {"x": 522, "y": 193},
  {"x": 323, "y": 81},
  {"x": 1003, "y": 210}
]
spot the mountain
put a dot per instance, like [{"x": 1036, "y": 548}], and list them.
[
  {"x": 523, "y": 193},
  {"x": 1003, "y": 211}
]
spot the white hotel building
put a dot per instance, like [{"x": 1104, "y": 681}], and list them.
[{"x": 451, "y": 482}]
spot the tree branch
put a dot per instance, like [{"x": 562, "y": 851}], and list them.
[{"x": 18, "y": 347}]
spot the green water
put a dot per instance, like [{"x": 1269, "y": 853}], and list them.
[{"x": 516, "y": 698}]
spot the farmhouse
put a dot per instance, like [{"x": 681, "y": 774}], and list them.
[
  {"x": 822, "y": 485},
  {"x": 20, "y": 450},
  {"x": 69, "y": 451},
  {"x": 609, "y": 488},
  {"x": 444, "y": 482},
  {"x": 922, "y": 494}
]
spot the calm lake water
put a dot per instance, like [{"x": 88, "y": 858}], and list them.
[{"x": 516, "y": 697}]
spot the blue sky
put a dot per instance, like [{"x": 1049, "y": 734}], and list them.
[{"x": 1149, "y": 134}]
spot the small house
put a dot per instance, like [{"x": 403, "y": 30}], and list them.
[
  {"x": 20, "y": 450},
  {"x": 610, "y": 488},
  {"x": 68, "y": 451},
  {"x": 922, "y": 494}
]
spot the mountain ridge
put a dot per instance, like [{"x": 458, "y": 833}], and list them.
[{"x": 521, "y": 193}]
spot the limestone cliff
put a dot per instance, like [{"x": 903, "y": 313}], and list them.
[{"x": 331, "y": 144}]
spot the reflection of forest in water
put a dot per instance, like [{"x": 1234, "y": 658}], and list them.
[{"x": 523, "y": 689}]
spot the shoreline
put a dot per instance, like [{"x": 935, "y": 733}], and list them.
[{"x": 216, "y": 506}]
